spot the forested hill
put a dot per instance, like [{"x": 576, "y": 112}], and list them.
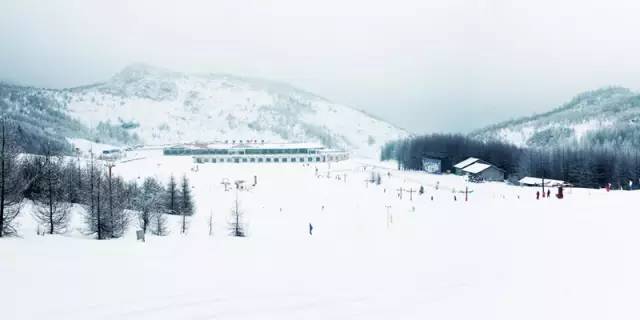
[
  {"x": 38, "y": 118},
  {"x": 604, "y": 117}
]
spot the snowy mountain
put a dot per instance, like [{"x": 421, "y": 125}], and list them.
[
  {"x": 607, "y": 116},
  {"x": 157, "y": 106},
  {"x": 161, "y": 106}
]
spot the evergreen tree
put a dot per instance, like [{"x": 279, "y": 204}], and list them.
[
  {"x": 171, "y": 200},
  {"x": 186, "y": 206}
]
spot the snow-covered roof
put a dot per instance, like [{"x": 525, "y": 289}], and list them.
[
  {"x": 284, "y": 145},
  {"x": 465, "y": 163},
  {"x": 476, "y": 168},
  {"x": 533, "y": 181},
  {"x": 301, "y": 145}
]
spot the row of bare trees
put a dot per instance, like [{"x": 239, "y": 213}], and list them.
[{"x": 57, "y": 184}]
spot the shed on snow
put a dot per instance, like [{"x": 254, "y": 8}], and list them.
[
  {"x": 537, "y": 182},
  {"x": 484, "y": 172},
  {"x": 435, "y": 162}
]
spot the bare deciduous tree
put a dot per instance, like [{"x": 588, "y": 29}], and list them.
[
  {"x": 53, "y": 210},
  {"x": 149, "y": 206},
  {"x": 95, "y": 220},
  {"x": 236, "y": 225},
  {"x": 159, "y": 224},
  {"x": 11, "y": 183}
]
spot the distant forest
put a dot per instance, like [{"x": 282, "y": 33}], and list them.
[
  {"x": 584, "y": 166},
  {"x": 39, "y": 123}
]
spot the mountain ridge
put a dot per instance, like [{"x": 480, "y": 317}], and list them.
[
  {"x": 608, "y": 115},
  {"x": 143, "y": 103}
]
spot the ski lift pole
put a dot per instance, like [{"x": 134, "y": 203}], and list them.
[{"x": 389, "y": 217}]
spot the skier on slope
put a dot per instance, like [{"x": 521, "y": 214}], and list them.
[{"x": 310, "y": 229}]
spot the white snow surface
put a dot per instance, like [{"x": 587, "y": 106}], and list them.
[
  {"x": 539, "y": 181},
  {"x": 85, "y": 146},
  {"x": 500, "y": 255}
]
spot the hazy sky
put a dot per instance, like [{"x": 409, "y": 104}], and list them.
[{"x": 425, "y": 65}]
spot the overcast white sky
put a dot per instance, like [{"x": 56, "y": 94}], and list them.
[{"x": 427, "y": 65}]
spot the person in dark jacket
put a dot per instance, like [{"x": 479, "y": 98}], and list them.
[
  {"x": 537, "y": 195},
  {"x": 310, "y": 229}
]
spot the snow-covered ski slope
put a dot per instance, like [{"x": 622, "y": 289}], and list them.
[{"x": 500, "y": 255}]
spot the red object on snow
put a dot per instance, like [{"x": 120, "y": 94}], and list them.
[{"x": 560, "y": 194}]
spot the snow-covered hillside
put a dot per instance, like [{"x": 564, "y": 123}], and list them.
[
  {"x": 500, "y": 255},
  {"x": 604, "y": 116},
  {"x": 161, "y": 106}
]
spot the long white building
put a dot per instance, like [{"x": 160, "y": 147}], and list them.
[{"x": 257, "y": 153}]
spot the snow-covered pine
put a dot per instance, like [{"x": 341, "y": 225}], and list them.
[{"x": 185, "y": 203}]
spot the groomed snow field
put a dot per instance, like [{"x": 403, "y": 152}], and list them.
[{"x": 500, "y": 255}]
